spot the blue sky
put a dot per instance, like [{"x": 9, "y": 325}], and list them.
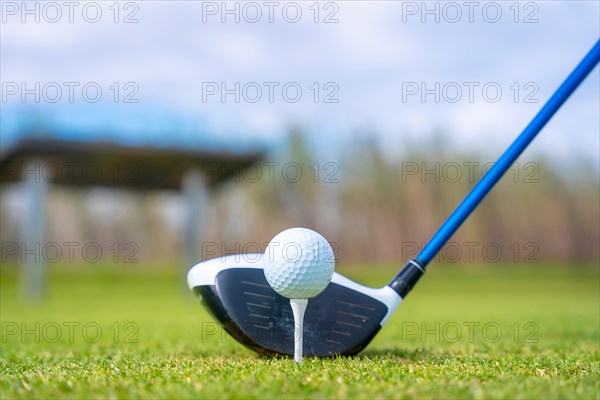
[{"x": 370, "y": 58}]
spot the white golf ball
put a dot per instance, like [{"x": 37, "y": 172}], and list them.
[{"x": 299, "y": 263}]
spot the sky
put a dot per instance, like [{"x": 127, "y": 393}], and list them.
[{"x": 244, "y": 72}]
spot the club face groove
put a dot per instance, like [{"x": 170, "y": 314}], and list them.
[{"x": 339, "y": 321}]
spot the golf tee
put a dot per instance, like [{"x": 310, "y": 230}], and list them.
[{"x": 298, "y": 308}]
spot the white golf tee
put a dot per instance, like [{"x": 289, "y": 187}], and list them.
[{"x": 298, "y": 308}]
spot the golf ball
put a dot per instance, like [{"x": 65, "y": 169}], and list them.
[{"x": 299, "y": 263}]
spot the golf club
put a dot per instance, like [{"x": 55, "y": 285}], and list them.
[{"x": 344, "y": 318}]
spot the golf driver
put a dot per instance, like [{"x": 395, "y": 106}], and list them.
[{"x": 344, "y": 318}]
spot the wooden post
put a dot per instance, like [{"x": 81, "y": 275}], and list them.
[
  {"x": 33, "y": 234},
  {"x": 194, "y": 193}
]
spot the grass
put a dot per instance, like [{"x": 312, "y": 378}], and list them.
[{"x": 114, "y": 331}]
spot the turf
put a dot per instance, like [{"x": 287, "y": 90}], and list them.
[{"x": 466, "y": 332}]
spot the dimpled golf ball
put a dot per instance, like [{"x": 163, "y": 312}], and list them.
[{"x": 299, "y": 263}]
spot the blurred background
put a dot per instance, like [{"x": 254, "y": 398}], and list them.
[
  {"x": 367, "y": 121},
  {"x": 140, "y": 137}
]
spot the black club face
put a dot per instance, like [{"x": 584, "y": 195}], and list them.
[{"x": 338, "y": 321}]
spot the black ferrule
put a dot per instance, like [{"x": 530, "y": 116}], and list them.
[{"x": 407, "y": 278}]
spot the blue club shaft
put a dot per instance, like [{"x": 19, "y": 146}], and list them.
[{"x": 494, "y": 174}]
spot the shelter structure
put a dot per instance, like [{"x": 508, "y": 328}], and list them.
[{"x": 40, "y": 158}]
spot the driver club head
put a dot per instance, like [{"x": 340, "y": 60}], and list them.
[{"x": 341, "y": 320}]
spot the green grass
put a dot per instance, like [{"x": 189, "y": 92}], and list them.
[{"x": 157, "y": 341}]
